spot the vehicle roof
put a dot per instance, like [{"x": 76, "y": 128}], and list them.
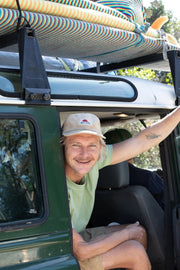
[{"x": 86, "y": 89}]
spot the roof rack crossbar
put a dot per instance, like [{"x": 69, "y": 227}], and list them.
[{"x": 124, "y": 64}]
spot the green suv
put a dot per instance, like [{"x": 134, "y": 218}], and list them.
[{"x": 35, "y": 225}]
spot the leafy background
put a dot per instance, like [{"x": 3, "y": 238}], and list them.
[{"x": 151, "y": 159}]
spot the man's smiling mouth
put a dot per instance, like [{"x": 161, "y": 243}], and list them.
[{"x": 83, "y": 162}]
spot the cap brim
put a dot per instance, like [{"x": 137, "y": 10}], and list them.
[{"x": 82, "y": 132}]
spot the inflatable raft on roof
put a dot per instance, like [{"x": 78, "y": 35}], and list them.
[{"x": 105, "y": 31}]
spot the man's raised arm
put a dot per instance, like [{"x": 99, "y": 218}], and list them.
[{"x": 146, "y": 139}]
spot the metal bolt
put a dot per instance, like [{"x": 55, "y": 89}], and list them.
[{"x": 46, "y": 96}]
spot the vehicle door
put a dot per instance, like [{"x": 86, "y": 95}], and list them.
[{"x": 34, "y": 220}]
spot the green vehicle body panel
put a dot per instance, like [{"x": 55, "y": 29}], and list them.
[{"x": 30, "y": 246}]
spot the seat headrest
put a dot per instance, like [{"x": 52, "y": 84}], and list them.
[{"x": 114, "y": 176}]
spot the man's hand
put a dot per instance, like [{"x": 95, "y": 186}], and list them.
[
  {"x": 136, "y": 232},
  {"x": 77, "y": 237},
  {"x": 78, "y": 245}
]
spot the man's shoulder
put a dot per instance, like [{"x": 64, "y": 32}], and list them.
[{"x": 105, "y": 157}]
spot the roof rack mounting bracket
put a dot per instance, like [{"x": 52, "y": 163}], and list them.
[
  {"x": 174, "y": 62},
  {"x": 35, "y": 85}
]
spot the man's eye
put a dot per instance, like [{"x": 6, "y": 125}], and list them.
[{"x": 93, "y": 145}]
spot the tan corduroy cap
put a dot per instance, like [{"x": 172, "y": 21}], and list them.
[{"x": 82, "y": 123}]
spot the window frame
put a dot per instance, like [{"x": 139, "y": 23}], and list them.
[{"x": 11, "y": 225}]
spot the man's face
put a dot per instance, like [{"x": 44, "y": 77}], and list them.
[{"x": 82, "y": 151}]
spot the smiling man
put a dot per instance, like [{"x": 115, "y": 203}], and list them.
[{"x": 120, "y": 246}]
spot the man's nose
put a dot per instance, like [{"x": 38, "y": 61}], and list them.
[{"x": 84, "y": 151}]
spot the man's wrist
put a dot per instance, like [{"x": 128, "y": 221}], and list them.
[{"x": 124, "y": 235}]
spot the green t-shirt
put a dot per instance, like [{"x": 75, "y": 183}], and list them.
[{"x": 81, "y": 196}]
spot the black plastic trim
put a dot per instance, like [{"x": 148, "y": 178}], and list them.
[
  {"x": 174, "y": 61},
  {"x": 10, "y": 94},
  {"x": 88, "y": 97},
  {"x": 80, "y": 75}
]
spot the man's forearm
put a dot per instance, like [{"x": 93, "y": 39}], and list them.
[
  {"x": 159, "y": 131},
  {"x": 146, "y": 139},
  {"x": 85, "y": 250}
]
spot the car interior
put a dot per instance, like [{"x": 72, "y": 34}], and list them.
[{"x": 117, "y": 201}]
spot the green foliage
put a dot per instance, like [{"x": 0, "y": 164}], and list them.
[
  {"x": 168, "y": 78},
  {"x": 148, "y": 74},
  {"x": 138, "y": 72},
  {"x": 149, "y": 159},
  {"x": 154, "y": 11},
  {"x": 157, "y": 9}
]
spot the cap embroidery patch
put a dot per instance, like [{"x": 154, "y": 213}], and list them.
[{"x": 85, "y": 122}]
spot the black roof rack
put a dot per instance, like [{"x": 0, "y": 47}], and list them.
[
  {"x": 174, "y": 61},
  {"x": 152, "y": 58},
  {"x": 34, "y": 81}
]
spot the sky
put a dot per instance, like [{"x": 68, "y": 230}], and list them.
[{"x": 173, "y": 5}]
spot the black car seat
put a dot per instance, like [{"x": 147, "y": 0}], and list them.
[{"x": 117, "y": 201}]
